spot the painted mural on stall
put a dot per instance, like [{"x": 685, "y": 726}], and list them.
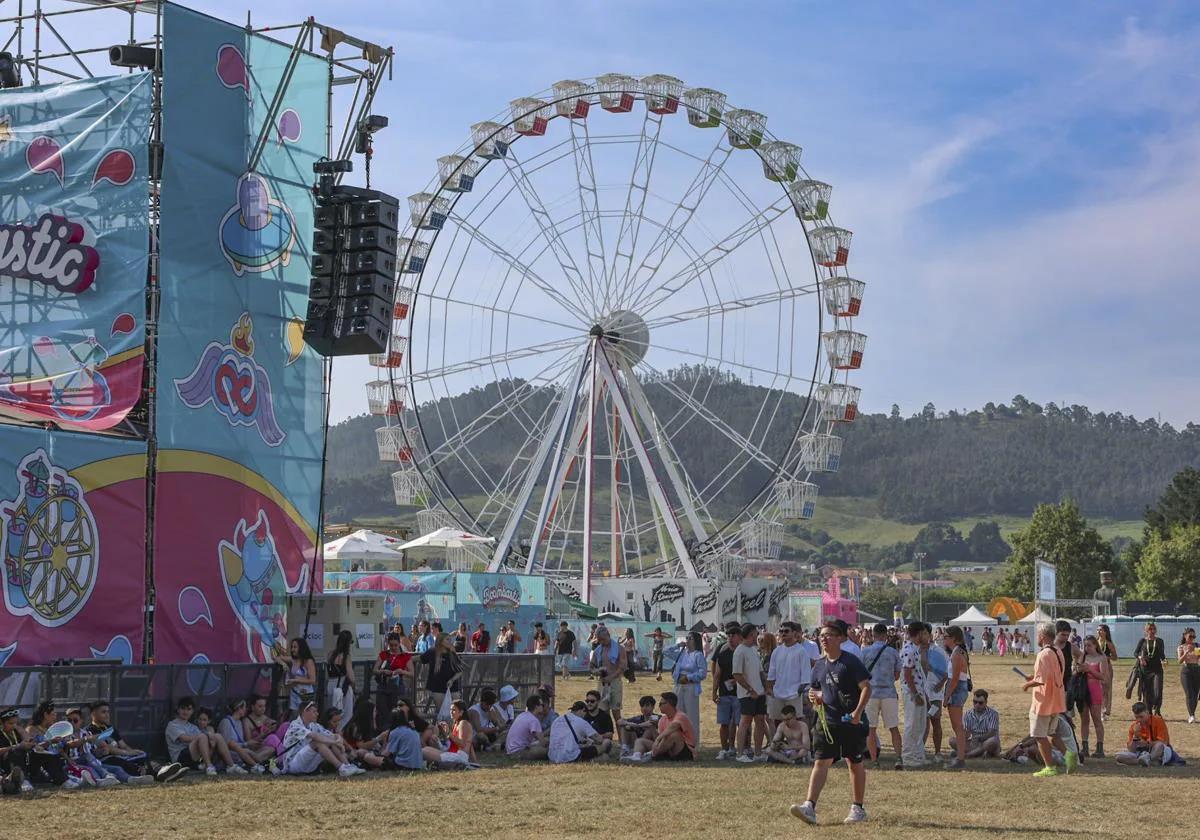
[
  {"x": 66, "y": 504},
  {"x": 241, "y": 409},
  {"x": 73, "y": 249}
]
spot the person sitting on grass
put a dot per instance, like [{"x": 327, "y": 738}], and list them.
[
  {"x": 307, "y": 745},
  {"x": 188, "y": 745},
  {"x": 364, "y": 757},
  {"x": 572, "y": 738},
  {"x": 112, "y": 750},
  {"x": 644, "y": 725},
  {"x": 982, "y": 727},
  {"x": 789, "y": 744},
  {"x": 404, "y": 750},
  {"x": 597, "y": 717},
  {"x": 359, "y": 733},
  {"x": 15, "y": 747},
  {"x": 506, "y": 708},
  {"x": 675, "y": 739},
  {"x": 232, "y": 729},
  {"x": 487, "y": 720},
  {"x": 461, "y": 736},
  {"x": 526, "y": 740},
  {"x": 1149, "y": 742},
  {"x": 546, "y": 692}
]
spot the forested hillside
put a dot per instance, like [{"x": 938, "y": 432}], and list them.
[{"x": 1001, "y": 459}]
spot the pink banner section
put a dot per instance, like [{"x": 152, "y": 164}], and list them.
[
  {"x": 229, "y": 550},
  {"x": 74, "y": 552}
]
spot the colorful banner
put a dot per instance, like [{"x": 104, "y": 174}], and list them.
[
  {"x": 72, "y": 514},
  {"x": 496, "y": 599},
  {"x": 74, "y": 240},
  {"x": 241, "y": 412}
]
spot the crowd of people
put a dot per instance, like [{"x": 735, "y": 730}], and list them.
[{"x": 786, "y": 697}]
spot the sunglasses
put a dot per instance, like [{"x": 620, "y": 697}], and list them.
[{"x": 591, "y": 702}]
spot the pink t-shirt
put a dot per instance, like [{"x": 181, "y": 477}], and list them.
[
  {"x": 1049, "y": 698},
  {"x": 685, "y": 724},
  {"x": 526, "y": 729}
]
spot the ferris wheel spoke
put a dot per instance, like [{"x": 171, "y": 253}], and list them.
[
  {"x": 711, "y": 169},
  {"x": 589, "y": 206},
  {"x": 574, "y": 307},
  {"x": 545, "y": 222},
  {"x": 775, "y": 374},
  {"x": 507, "y": 355},
  {"x": 652, "y": 298},
  {"x": 635, "y": 198},
  {"x": 731, "y": 306},
  {"x": 498, "y": 311}
]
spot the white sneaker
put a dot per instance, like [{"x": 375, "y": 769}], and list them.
[
  {"x": 722, "y": 755},
  {"x": 1144, "y": 759},
  {"x": 857, "y": 814},
  {"x": 258, "y": 769},
  {"x": 141, "y": 780},
  {"x": 631, "y": 757},
  {"x": 806, "y": 812},
  {"x": 210, "y": 770},
  {"x": 86, "y": 779},
  {"x": 108, "y": 781},
  {"x": 1191, "y": 718},
  {"x": 348, "y": 770},
  {"x": 235, "y": 770},
  {"x": 745, "y": 758},
  {"x": 71, "y": 783},
  {"x": 26, "y": 787}
]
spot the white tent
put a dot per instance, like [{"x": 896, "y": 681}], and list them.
[
  {"x": 447, "y": 538},
  {"x": 1038, "y": 616},
  {"x": 363, "y": 546},
  {"x": 972, "y": 617}
]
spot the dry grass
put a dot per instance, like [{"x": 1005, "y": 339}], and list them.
[{"x": 992, "y": 799}]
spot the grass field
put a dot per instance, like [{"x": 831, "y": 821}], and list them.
[{"x": 991, "y": 799}]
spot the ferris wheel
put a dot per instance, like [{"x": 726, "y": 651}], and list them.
[{"x": 621, "y": 344}]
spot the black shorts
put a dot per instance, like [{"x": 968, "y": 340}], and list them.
[
  {"x": 751, "y": 706},
  {"x": 185, "y": 758},
  {"x": 587, "y": 753},
  {"x": 847, "y": 741},
  {"x": 684, "y": 754}
]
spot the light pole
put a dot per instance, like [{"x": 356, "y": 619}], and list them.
[{"x": 920, "y": 558}]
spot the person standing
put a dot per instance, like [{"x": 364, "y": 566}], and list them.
[
  {"x": 608, "y": 663},
  {"x": 1151, "y": 653},
  {"x": 882, "y": 662},
  {"x": 1105, "y": 642},
  {"x": 689, "y": 672},
  {"x": 958, "y": 688},
  {"x": 1001, "y": 643},
  {"x": 565, "y": 648},
  {"x": 1049, "y": 698},
  {"x": 481, "y": 639},
  {"x": 1189, "y": 671},
  {"x": 1096, "y": 670},
  {"x": 339, "y": 677},
  {"x": 912, "y": 686},
  {"x": 937, "y": 673},
  {"x": 725, "y": 691},
  {"x": 789, "y": 672},
  {"x": 752, "y": 698},
  {"x": 541, "y": 639},
  {"x": 840, "y": 690},
  {"x": 656, "y": 652}
]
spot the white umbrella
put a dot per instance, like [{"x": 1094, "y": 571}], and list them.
[
  {"x": 363, "y": 545},
  {"x": 447, "y": 538}
]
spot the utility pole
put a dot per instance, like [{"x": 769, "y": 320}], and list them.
[{"x": 920, "y": 558}]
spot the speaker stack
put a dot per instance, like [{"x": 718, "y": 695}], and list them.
[{"x": 353, "y": 272}]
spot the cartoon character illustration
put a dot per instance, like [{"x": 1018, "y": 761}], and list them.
[
  {"x": 236, "y": 385},
  {"x": 65, "y": 378},
  {"x": 258, "y": 233},
  {"x": 51, "y": 544},
  {"x": 256, "y": 584}
]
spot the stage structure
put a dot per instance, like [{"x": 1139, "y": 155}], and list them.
[
  {"x": 624, "y": 335},
  {"x": 161, "y": 418}
]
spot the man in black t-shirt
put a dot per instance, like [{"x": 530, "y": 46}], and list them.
[
  {"x": 841, "y": 686},
  {"x": 724, "y": 691},
  {"x": 565, "y": 647},
  {"x": 600, "y": 719}
]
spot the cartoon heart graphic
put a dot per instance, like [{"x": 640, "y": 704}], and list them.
[{"x": 235, "y": 388}]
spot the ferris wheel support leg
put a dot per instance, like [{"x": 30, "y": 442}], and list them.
[
  {"x": 597, "y": 354},
  {"x": 563, "y": 457},
  {"x": 622, "y": 410},
  {"x": 555, "y": 435}
]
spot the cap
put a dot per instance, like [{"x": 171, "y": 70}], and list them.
[
  {"x": 508, "y": 694},
  {"x": 8, "y": 714}
]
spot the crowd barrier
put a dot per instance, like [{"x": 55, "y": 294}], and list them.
[{"x": 143, "y": 697}]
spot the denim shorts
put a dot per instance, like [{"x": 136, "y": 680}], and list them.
[
  {"x": 959, "y": 698},
  {"x": 728, "y": 710}
]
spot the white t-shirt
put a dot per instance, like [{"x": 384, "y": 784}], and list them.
[
  {"x": 485, "y": 722},
  {"x": 564, "y": 748},
  {"x": 790, "y": 669},
  {"x": 747, "y": 663}
]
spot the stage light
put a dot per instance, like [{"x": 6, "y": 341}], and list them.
[
  {"x": 9, "y": 75},
  {"x": 366, "y": 128},
  {"x": 126, "y": 55}
]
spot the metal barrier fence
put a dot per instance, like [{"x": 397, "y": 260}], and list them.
[{"x": 143, "y": 697}]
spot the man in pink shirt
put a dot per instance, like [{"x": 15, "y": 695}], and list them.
[
  {"x": 1049, "y": 697},
  {"x": 676, "y": 739},
  {"x": 525, "y": 737}
]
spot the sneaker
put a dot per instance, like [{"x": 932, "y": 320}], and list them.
[
  {"x": 273, "y": 767},
  {"x": 26, "y": 787},
  {"x": 857, "y": 814},
  {"x": 71, "y": 783},
  {"x": 348, "y": 770},
  {"x": 140, "y": 780},
  {"x": 745, "y": 758},
  {"x": 210, "y": 770},
  {"x": 1046, "y": 772},
  {"x": 806, "y": 812},
  {"x": 955, "y": 764},
  {"x": 1144, "y": 759},
  {"x": 235, "y": 770},
  {"x": 899, "y": 765},
  {"x": 170, "y": 772},
  {"x": 722, "y": 755},
  {"x": 630, "y": 757},
  {"x": 108, "y": 781},
  {"x": 937, "y": 758},
  {"x": 1072, "y": 762},
  {"x": 760, "y": 757},
  {"x": 1191, "y": 718},
  {"x": 258, "y": 769},
  {"x": 86, "y": 779},
  {"x": 625, "y": 751}
]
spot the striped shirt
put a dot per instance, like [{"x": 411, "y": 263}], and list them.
[{"x": 979, "y": 724}]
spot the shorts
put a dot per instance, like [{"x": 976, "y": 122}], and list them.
[
  {"x": 563, "y": 661},
  {"x": 303, "y": 761},
  {"x": 1041, "y": 726},
  {"x": 587, "y": 753},
  {"x": 883, "y": 711},
  {"x": 454, "y": 758},
  {"x": 611, "y": 695},
  {"x": 775, "y": 706},
  {"x": 959, "y": 698},
  {"x": 846, "y": 741},
  {"x": 727, "y": 709},
  {"x": 185, "y": 758},
  {"x": 684, "y": 754},
  {"x": 752, "y": 706}
]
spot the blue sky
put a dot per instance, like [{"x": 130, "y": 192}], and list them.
[{"x": 1020, "y": 177}]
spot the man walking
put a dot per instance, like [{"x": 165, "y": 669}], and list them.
[
  {"x": 565, "y": 649},
  {"x": 840, "y": 689},
  {"x": 1049, "y": 698}
]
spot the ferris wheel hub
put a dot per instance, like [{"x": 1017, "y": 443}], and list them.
[{"x": 625, "y": 335}]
